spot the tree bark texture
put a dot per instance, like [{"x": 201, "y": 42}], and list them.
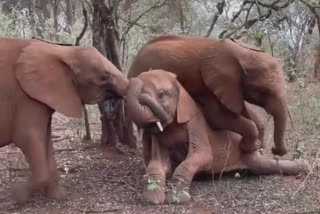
[
  {"x": 69, "y": 13},
  {"x": 315, "y": 11},
  {"x": 115, "y": 128},
  {"x": 44, "y": 7},
  {"x": 55, "y": 8}
]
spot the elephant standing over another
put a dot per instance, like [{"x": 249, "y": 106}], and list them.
[
  {"x": 221, "y": 75},
  {"x": 178, "y": 140},
  {"x": 38, "y": 78}
]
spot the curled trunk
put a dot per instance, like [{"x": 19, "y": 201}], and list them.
[
  {"x": 157, "y": 110},
  {"x": 137, "y": 112},
  {"x": 142, "y": 108}
]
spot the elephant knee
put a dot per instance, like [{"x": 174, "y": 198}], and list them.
[{"x": 253, "y": 130}]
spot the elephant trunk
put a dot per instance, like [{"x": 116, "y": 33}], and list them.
[
  {"x": 155, "y": 107},
  {"x": 141, "y": 108},
  {"x": 122, "y": 83},
  {"x": 137, "y": 112}
]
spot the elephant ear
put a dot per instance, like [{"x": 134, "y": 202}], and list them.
[
  {"x": 44, "y": 75},
  {"x": 186, "y": 107},
  {"x": 222, "y": 74}
]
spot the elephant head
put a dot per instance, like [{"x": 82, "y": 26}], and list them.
[
  {"x": 155, "y": 99},
  {"x": 65, "y": 77}
]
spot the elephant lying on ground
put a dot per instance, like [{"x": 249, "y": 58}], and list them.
[
  {"x": 36, "y": 79},
  {"x": 189, "y": 146},
  {"x": 220, "y": 75}
]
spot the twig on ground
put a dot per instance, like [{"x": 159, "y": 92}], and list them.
[
  {"x": 76, "y": 148},
  {"x": 292, "y": 123},
  {"x": 90, "y": 210},
  {"x": 128, "y": 185},
  {"x": 57, "y": 138},
  {"x": 228, "y": 154},
  {"x": 264, "y": 207},
  {"x": 307, "y": 212},
  {"x": 66, "y": 150},
  {"x": 310, "y": 172},
  {"x": 132, "y": 188}
]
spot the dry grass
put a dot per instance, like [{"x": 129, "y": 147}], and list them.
[{"x": 97, "y": 185}]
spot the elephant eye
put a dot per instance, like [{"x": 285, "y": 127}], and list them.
[
  {"x": 104, "y": 78},
  {"x": 161, "y": 94}
]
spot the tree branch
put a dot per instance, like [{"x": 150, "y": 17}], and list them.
[
  {"x": 245, "y": 22},
  {"x": 85, "y": 15},
  {"x": 274, "y": 6},
  {"x": 133, "y": 23},
  {"x": 220, "y": 6},
  {"x": 314, "y": 12},
  {"x": 138, "y": 18}
]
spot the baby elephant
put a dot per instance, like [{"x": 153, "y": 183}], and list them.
[{"x": 182, "y": 144}]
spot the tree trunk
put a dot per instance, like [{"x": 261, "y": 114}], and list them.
[
  {"x": 316, "y": 72},
  {"x": 32, "y": 8},
  {"x": 106, "y": 40},
  {"x": 55, "y": 7},
  {"x": 316, "y": 20},
  {"x": 44, "y": 6},
  {"x": 69, "y": 13},
  {"x": 317, "y": 62},
  {"x": 181, "y": 17}
]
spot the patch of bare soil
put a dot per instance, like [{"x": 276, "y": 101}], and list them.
[{"x": 97, "y": 185}]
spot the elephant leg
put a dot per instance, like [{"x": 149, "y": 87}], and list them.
[
  {"x": 182, "y": 178},
  {"x": 278, "y": 109},
  {"x": 157, "y": 169},
  {"x": 251, "y": 114},
  {"x": 54, "y": 190},
  {"x": 32, "y": 141},
  {"x": 260, "y": 164},
  {"x": 199, "y": 158},
  {"x": 221, "y": 118}
]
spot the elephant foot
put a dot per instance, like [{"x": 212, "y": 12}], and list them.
[
  {"x": 113, "y": 153},
  {"x": 248, "y": 145},
  {"x": 303, "y": 166},
  {"x": 154, "y": 192},
  {"x": 279, "y": 151},
  {"x": 156, "y": 196},
  {"x": 178, "y": 196},
  {"x": 21, "y": 193},
  {"x": 56, "y": 191}
]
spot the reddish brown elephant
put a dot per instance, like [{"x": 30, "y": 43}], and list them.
[
  {"x": 38, "y": 78},
  {"x": 184, "y": 144},
  {"x": 221, "y": 75}
]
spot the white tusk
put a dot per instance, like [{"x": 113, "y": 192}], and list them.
[{"x": 159, "y": 126}]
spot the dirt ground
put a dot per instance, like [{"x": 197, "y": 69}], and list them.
[{"x": 98, "y": 185}]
